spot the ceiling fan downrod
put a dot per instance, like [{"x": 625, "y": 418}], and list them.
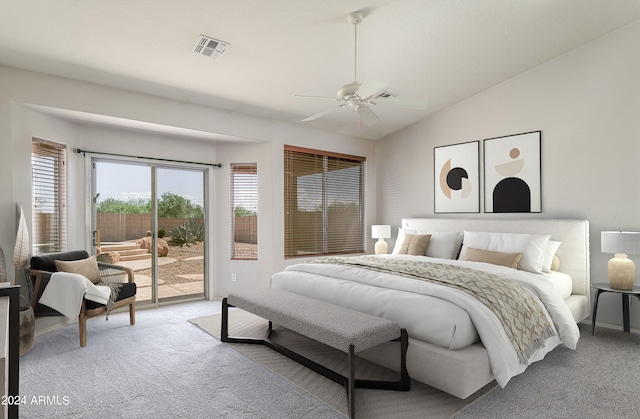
[{"x": 355, "y": 19}]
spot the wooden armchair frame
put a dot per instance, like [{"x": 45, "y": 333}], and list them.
[{"x": 106, "y": 271}]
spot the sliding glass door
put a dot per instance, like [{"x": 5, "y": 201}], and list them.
[
  {"x": 151, "y": 218},
  {"x": 181, "y": 224}
]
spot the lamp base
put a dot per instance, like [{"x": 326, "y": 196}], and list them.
[
  {"x": 382, "y": 248},
  {"x": 622, "y": 272}
]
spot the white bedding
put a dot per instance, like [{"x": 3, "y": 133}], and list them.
[
  {"x": 560, "y": 281},
  {"x": 433, "y": 313}
]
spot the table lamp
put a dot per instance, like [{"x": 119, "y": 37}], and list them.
[
  {"x": 381, "y": 232},
  {"x": 622, "y": 270}
]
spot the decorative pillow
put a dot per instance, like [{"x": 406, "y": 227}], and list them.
[
  {"x": 400, "y": 239},
  {"x": 530, "y": 245},
  {"x": 509, "y": 260},
  {"x": 549, "y": 253},
  {"x": 415, "y": 245},
  {"x": 85, "y": 267},
  {"x": 444, "y": 245},
  {"x": 555, "y": 265}
]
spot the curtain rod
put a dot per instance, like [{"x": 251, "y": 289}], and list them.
[{"x": 84, "y": 152}]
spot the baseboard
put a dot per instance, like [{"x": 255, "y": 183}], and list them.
[{"x": 48, "y": 324}]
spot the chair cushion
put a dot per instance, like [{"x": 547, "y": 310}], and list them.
[
  {"x": 128, "y": 290},
  {"x": 45, "y": 262}
]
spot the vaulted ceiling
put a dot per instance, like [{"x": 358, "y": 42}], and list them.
[{"x": 440, "y": 50}]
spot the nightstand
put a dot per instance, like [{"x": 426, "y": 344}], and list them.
[{"x": 606, "y": 287}]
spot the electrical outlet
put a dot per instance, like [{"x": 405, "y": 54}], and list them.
[{"x": 233, "y": 277}]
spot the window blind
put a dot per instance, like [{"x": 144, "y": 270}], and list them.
[
  {"x": 49, "y": 196},
  {"x": 244, "y": 211},
  {"x": 324, "y": 202}
]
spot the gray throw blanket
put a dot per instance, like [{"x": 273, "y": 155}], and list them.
[
  {"x": 522, "y": 317},
  {"x": 115, "y": 290}
]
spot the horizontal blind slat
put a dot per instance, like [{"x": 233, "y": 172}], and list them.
[
  {"x": 244, "y": 210},
  {"x": 48, "y": 196},
  {"x": 323, "y": 202}
]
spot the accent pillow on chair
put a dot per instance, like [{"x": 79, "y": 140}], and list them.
[{"x": 86, "y": 267}]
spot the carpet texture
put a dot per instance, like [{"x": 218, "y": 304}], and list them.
[
  {"x": 600, "y": 379},
  {"x": 421, "y": 402},
  {"x": 162, "y": 367}
]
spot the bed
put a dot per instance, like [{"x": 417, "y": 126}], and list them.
[{"x": 446, "y": 327}]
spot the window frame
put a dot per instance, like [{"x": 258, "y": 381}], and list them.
[
  {"x": 251, "y": 196},
  {"x": 49, "y": 179},
  {"x": 334, "y": 240}
]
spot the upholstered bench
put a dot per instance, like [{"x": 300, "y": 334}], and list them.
[{"x": 347, "y": 330}]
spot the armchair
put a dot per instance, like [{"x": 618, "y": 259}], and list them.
[{"x": 43, "y": 266}]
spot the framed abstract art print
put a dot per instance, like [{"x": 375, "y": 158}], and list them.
[
  {"x": 512, "y": 171},
  {"x": 456, "y": 175}
]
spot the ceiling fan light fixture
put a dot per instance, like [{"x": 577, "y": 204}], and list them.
[
  {"x": 361, "y": 97},
  {"x": 348, "y": 91},
  {"x": 354, "y": 103}
]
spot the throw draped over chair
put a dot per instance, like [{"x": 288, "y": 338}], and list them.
[{"x": 43, "y": 266}]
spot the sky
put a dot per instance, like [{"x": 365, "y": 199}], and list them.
[{"x": 128, "y": 181}]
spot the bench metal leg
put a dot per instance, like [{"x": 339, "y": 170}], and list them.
[
  {"x": 352, "y": 383},
  {"x": 405, "y": 381},
  {"x": 349, "y": 382},
  {"x": 224, "y": 327}
]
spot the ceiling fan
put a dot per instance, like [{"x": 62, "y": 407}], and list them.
[{"x": 362, "y": 96}]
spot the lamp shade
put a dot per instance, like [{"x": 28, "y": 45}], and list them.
[
  {"x": 381, "y": 231},
  {"x": 627, "y": 242}
]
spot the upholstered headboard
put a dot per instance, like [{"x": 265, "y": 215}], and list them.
[{"x": 574, "y": 235}]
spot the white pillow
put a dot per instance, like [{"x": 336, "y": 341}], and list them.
[
  {"x": 531, "y": 246},
  {"x": 400, "y": 239},
  {"x": 445, "y": 245},
  {"x": 549, "y": 251},
  {"x": 561, "y": 282}
]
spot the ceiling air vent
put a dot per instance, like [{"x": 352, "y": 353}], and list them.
[
  {"x": 210, "y": 47},
  {"x": 384, "y": 94}
]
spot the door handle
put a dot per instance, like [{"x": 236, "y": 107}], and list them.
[{"x": 95, "y": 236}]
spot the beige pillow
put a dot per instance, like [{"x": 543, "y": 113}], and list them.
[
  {"x": 85, "y": 267},
  {"x": 555, "y": 265},
  {"x": 415, "y": 244},
  {"x": 496, "y": 258}
]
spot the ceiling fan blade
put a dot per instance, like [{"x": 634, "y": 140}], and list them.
[
  {"x": 315, "y": 97},
  {"x": 368, "y": 116},
  {"x": 370, "y": 88},
  {"x": 402, "y": 103},
  {"x": 319, "y": 114}
]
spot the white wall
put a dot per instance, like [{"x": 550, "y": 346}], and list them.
[
  {"x": 19, "y": 123},
  {"x": 587, "y": 105}
]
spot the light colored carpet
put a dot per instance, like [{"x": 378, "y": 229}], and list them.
[
  {"x": 600, "y": 379},
  {"x": 421, "y": 402},
  {"x": 163, "y": 367}
]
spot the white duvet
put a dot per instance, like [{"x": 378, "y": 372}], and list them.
[{"x": 430, "y": 312}]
